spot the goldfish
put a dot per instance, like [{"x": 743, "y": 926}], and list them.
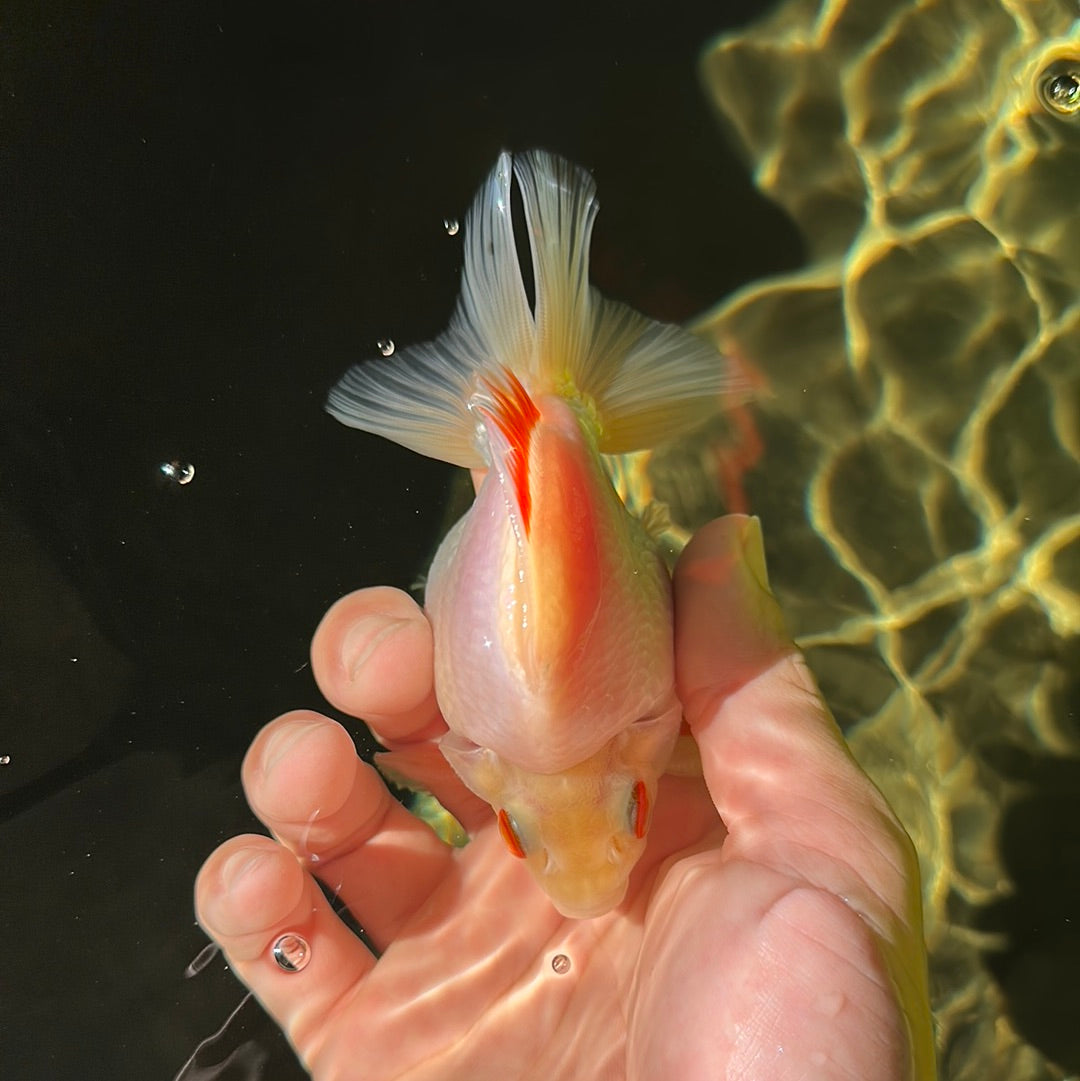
[{"x": 549, "y": 602}]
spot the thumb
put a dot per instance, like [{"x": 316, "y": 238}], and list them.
[{"x": 728, "y": 626}]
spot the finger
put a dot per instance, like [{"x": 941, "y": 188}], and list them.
[
  {"x": 775, "y": 762},
  {"x": 372, "y": 656},
  {"x": 248, "y": 895},
  {"x": 728, "y": 625},
  {"x": 303, "y": 779},
  {"x": 422, "y": 767}
]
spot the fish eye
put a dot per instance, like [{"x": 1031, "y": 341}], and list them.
[
  {"x": 637, "y": 810},
  {"x": 509, "y": 832}
]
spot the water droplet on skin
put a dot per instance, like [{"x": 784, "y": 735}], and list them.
[
  {"x": 177, "y": 472},
  {"x": 560, "y": 964},
  {"x": 451, "y": 226},
  {"x": 385, "y": 346},
  {"x": 830, "y": 1004},
  {"x": 291, "y": 953}
]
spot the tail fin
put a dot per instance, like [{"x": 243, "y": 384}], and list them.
[{"x": 644, "y": 381}]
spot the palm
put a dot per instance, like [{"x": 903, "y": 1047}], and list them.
[
  {"x": 475, "y": 964},
  {"x": 787, "y": 947}
]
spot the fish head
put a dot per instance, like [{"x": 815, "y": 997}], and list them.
[{"x": 580, "y": 830}]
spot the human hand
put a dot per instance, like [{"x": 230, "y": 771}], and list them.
[{"x": 787, "y": 945}]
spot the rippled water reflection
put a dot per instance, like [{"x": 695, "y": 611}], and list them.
[{"x": 920, "y": 478}]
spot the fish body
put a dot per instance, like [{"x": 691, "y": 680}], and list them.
[
  {"x": 552, "y": 620},
  {"x": 549, "y": 603}
]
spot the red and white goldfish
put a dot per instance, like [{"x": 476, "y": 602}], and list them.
[{"x": 549, "y": 602}]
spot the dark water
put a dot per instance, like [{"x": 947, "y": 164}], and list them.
[{"x": 207, "y": 211}]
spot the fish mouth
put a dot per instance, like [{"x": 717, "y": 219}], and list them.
[{"x": 589, "y": 908}]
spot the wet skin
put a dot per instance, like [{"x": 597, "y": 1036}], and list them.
[{"x": 786, "y": 945}]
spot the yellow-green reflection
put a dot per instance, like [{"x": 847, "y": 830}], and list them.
[{"x": 920, "y": 485}]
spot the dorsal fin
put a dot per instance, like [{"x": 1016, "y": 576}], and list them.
[{"x": 514, "y": 415}]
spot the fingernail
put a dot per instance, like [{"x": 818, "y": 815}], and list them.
[
  {"x": 754, "y": 582},
  {"x": 753, "y": 551},
  {"x": 284, "y": 739},
  {"x": 364, "y": 638},
  {"x": 226, "y": 908},
  {"x": 241, "y": 865},
  {"x": 220, "y": 912}
]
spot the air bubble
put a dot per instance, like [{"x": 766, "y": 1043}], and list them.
[
  {"x": 177, "y": 472},
  {"x": 560, "y": 964},
  {"x": 1059, "y": 87},
  {"x": 385, "y": 346},
  {"x": 5, "y": 760},
  {"x": 292, "y": 953},
  {"x": 202, "y": 959},
  {"x": 451, "y": 226}
]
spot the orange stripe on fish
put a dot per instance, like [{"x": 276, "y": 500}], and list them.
[
  {"x": 515, "y": 415},
  {"x": 510, "y": 835},
  {"x": 639, "y": 809},
  {"x": 570, "y": 550}
]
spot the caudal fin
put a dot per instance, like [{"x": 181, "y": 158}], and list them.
[{"x": 644, "y": 381}]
